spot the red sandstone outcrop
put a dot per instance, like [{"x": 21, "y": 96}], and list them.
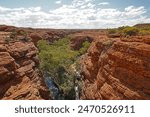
[
  {"x": 78, "y": 40},
  {"x": 37, "y": 34},
  {"x": 50, "y": 36},
  {"x": 35, "y": 37},
  {"x": 80, "y": 37},
  {"x": 19, "y": 76},
  {"x": 117, "y": 69},
  {"x": 7, "y": 28}
]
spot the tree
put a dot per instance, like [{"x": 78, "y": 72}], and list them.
[{"x": 56, "y": 58}]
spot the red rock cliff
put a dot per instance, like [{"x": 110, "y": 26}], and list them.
[
  {"x": 117, "y": 69},
  {"x": 19, "y": 76}
]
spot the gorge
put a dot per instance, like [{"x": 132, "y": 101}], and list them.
[{"x": 112, "y": 66}]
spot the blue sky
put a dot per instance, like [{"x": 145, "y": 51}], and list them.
[{"x": 74, "y": 13}]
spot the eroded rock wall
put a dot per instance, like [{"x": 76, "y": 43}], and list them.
[
  {"x": 19, "y": 76},
  {"x": 117, "y": 69}
]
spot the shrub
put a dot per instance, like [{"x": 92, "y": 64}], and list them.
[
  {"x": 13, "y": 35},
  {"x": 85, "y": 45},
  {"x": 112, "y": 31},
  {"x": 42, "y": 45},
  {"x": 130, "y": 31},
  {"x": 7, "y": 40},
  {"x": 144, "y": 31},
  {"x": 25, "y": 36},
  {"x": 108, "y": 43},
  {"x": 46, "y": 60}
]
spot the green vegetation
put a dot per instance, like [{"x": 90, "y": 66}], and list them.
[
  {"x": 7, "y": 40},
  {"x": 108, "y": 43},
  {"x": 129, "y": 31},
  {"x": 14, "y": 37},
  {"x": 112, "y": 31},
  {"x": 57, "y": 58},
  {"x": 85, "y": 45},
  {"x": 25, "y": 36}
]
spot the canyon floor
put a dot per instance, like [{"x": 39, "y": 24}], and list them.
[{"x": 113, "y": 67}]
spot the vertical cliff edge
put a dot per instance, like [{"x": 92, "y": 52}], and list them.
[
  {"x": 117, "y": 69},
  {"x": 19, "y": 74}
]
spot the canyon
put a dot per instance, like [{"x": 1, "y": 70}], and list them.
[{"x": 113, "y": 68}]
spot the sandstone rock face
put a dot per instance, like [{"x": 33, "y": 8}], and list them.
[
  {"x": 37, "y": 34},
  {"x": 7, "y": 28},
  {"x": 78, "y": 40},
  {"x": 117, "y": 69},
  {"x": 49, "y": 35},
  {"x": 19, "y": 76},
  {"x": 35, "y": 37}
]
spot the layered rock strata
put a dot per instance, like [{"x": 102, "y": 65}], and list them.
[
  {"x": 19, "y": 75},
  {"x": 116, "y": 69}
]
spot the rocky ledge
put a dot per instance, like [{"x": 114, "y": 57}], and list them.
[
  {"x": 19, "y": 75},
  {"x": 117, "y": 69}
]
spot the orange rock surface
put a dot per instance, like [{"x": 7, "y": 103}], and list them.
[
  {"x": 117, "y": 69},
  {"x": 19, "y": 76}
]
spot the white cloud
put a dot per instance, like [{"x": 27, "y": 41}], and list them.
[
  {"x": 3, "y": 9},
  {"x": 79, "y": 14},
  {"x": 58, "y": 2},
  {"x": 132, "y": 11},
  {"x": 79, "y": 3},
  {"x": 104, "y": 3}
]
